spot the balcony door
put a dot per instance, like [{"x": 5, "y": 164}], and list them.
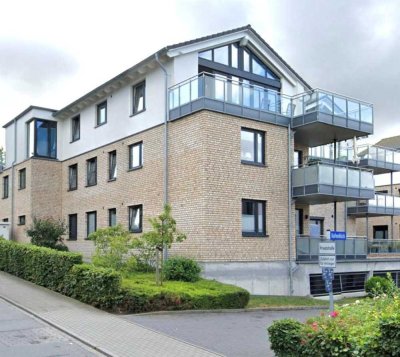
[
  {"x": 299, "y": 222},
  {"x": 381, "y": 232},
  {"x": 316, "y": 226}
]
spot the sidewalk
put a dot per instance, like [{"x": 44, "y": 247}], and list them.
[{"x": 102, "y": 331}]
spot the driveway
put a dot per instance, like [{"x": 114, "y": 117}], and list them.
[{"x": 233, "y": 334}]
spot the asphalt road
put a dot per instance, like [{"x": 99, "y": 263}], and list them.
[
  {"x": 240, "y": 334},
  {"x": 23, "y": 335}
]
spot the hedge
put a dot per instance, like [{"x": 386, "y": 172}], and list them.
[
  {"x": 42, "y": 266},
  {"x": 100, "y": 287},
  {"x": 104, "y": 288},
  {"x": 141, "y": 294}
]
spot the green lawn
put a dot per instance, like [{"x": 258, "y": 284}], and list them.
[{"x": 293, "y": 301}]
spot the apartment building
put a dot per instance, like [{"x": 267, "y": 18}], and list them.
[{"x": 220, "y": 128}]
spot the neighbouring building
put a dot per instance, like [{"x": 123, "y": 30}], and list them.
[{"x": 223, "y": 129}]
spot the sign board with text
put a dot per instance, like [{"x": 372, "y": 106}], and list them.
[
  {"x": 337, "y": 235},
  {"x": 327, "y": 248},
  {"x": 327, "y": 261}
]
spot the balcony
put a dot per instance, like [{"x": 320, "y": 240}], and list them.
[
  {"x": 218, "y": 93},
  {"x": 307, "y": 248},
  {"x": 380, "y": 205},
  {"x": 310, "y": 113},
  {"x": 320, "y": 117},
  {"x": 382, "y": 160},
  {"x": 324, "y": 182},
  {"x": 384, "y": 246}
]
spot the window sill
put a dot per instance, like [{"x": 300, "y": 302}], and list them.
[
  {"x": 112, "y": 180},
  {"x": 95, "y": 184},
  {"x": 255, "y": 235},
  {"x": 135, "y": 168},
  {"x": 20, "y": 189},
  {"x": 4, "y": 198},
  {"x": 98, "y": 125},
  {"x": 74, "y": 141},
  {"x": 72, "y": 189},
  {"x": 134, "y": 114},
  {"x": 251, "y": 163},
  {"x": 20, "y": 224},
  {"x": 136, "y": 231}
]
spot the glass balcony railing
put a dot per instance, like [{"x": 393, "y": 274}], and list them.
[
  {"x": 332, "y": 104},
  {"x": 380, "y": 204},
  {"x": 321, "y": 173},
  {"x": 241, "y": 93},
  {"x": 380, "y": 158},
  {"x": 383, "y": 246},
  {"x": 377, "y": 153},
  {"x": 223, "y": 89},
  {"x": 307, "y": 248}
]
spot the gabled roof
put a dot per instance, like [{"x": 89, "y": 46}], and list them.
[
  {"x": 150, "y": 63},
  {"x": 392, "y": 142},
  {"x": 27, "y": 110}
]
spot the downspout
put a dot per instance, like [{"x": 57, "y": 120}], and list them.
[
  {"x": 165, "y": 181},
  {"x": 12, "y": 181},
  {"x": 290, "y": 210}
]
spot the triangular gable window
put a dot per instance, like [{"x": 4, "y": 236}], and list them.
[{"x": 238, "y": 57}]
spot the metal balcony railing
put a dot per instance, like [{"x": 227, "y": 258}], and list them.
[
  {"x": 332, "y": 179},
  {"x": 381, "y": 204},
  {"x": 383, "y": 246},
  {"x": 333, "y": 104},
  {"x": 307, "y": 248},
  {"x": 220, "y": 88}
]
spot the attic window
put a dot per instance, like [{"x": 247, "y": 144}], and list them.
[{"x": 238, "y": 57}]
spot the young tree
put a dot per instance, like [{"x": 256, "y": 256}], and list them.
[{"x": 162, "y": 235}]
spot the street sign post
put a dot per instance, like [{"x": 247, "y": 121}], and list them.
[{"x": 327, "y": 261}]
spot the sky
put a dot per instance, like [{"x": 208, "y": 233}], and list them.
[{"x": 53, "y": 52}]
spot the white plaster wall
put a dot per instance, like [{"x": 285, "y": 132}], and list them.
[
  {"x": 120, "y": 122},
  {"x": 185, "y": 66},
  {"x": 22, "y": 134}
]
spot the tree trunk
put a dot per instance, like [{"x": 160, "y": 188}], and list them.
[{"x": 157, "y": 267}]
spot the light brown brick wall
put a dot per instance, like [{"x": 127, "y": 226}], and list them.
[{"x": 208, "y": 182}]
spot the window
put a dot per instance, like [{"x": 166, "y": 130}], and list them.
[
  {"x": 76, "y": 128},
  {"x": 101, "y": 113},
  {"x": 22, "y": 179},
  {"x": 91, "y": 172},
  {"x": 73, "y": 226},
  {"x": 299, "y": 221},
  {"x": 5, "y": 219},
  {"x": 21, "y": 220},
  {"x": 91, "y": 222},
  {"x": 112, "y": 217},
  {"x": 136, "y": 156},
  {"x": 135, "y": 218},
  {"x": 112, "y": 165},
  {"x": 42, "y": 138},
  {"x": 5, "y": 186},
  {"x": 342, "y": 283},
  {"x": 381, "y": 232},
  {"x": 73, "y": 177},
  {"x": 253, "y": 218},
  {"x": 252, "y": 147},
  {"x": 139, "y": 98}
]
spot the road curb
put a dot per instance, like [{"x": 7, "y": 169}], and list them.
[{"x": 216, "y": 311}]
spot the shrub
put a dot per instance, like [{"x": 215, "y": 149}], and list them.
[
  {"x": 47, "y": 232},
  {"x": 112, "y": 247},
  {"x": 285, "y": 337},
  {"x": 183, "y": 269},
  {"x": 40, "y": 265},
  {"x": 142, "y": 294},
  {"x": 378, "y": 285},
  {"x": 100, "y": 287}
]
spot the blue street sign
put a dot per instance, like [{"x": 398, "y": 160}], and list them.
[{"x": 336, "y": 235}]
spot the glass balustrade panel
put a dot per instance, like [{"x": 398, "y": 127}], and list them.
[
  {"x": 340, "y": 176},
  {"x": 366, "y": 114},
  {"x": 353, "y": 178},
  {"x": 325, "y": 103},
  {"x": 325, "y": 174},
  {"x": 339, "y": 106},
  {"x": 353, "y": 110}
]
